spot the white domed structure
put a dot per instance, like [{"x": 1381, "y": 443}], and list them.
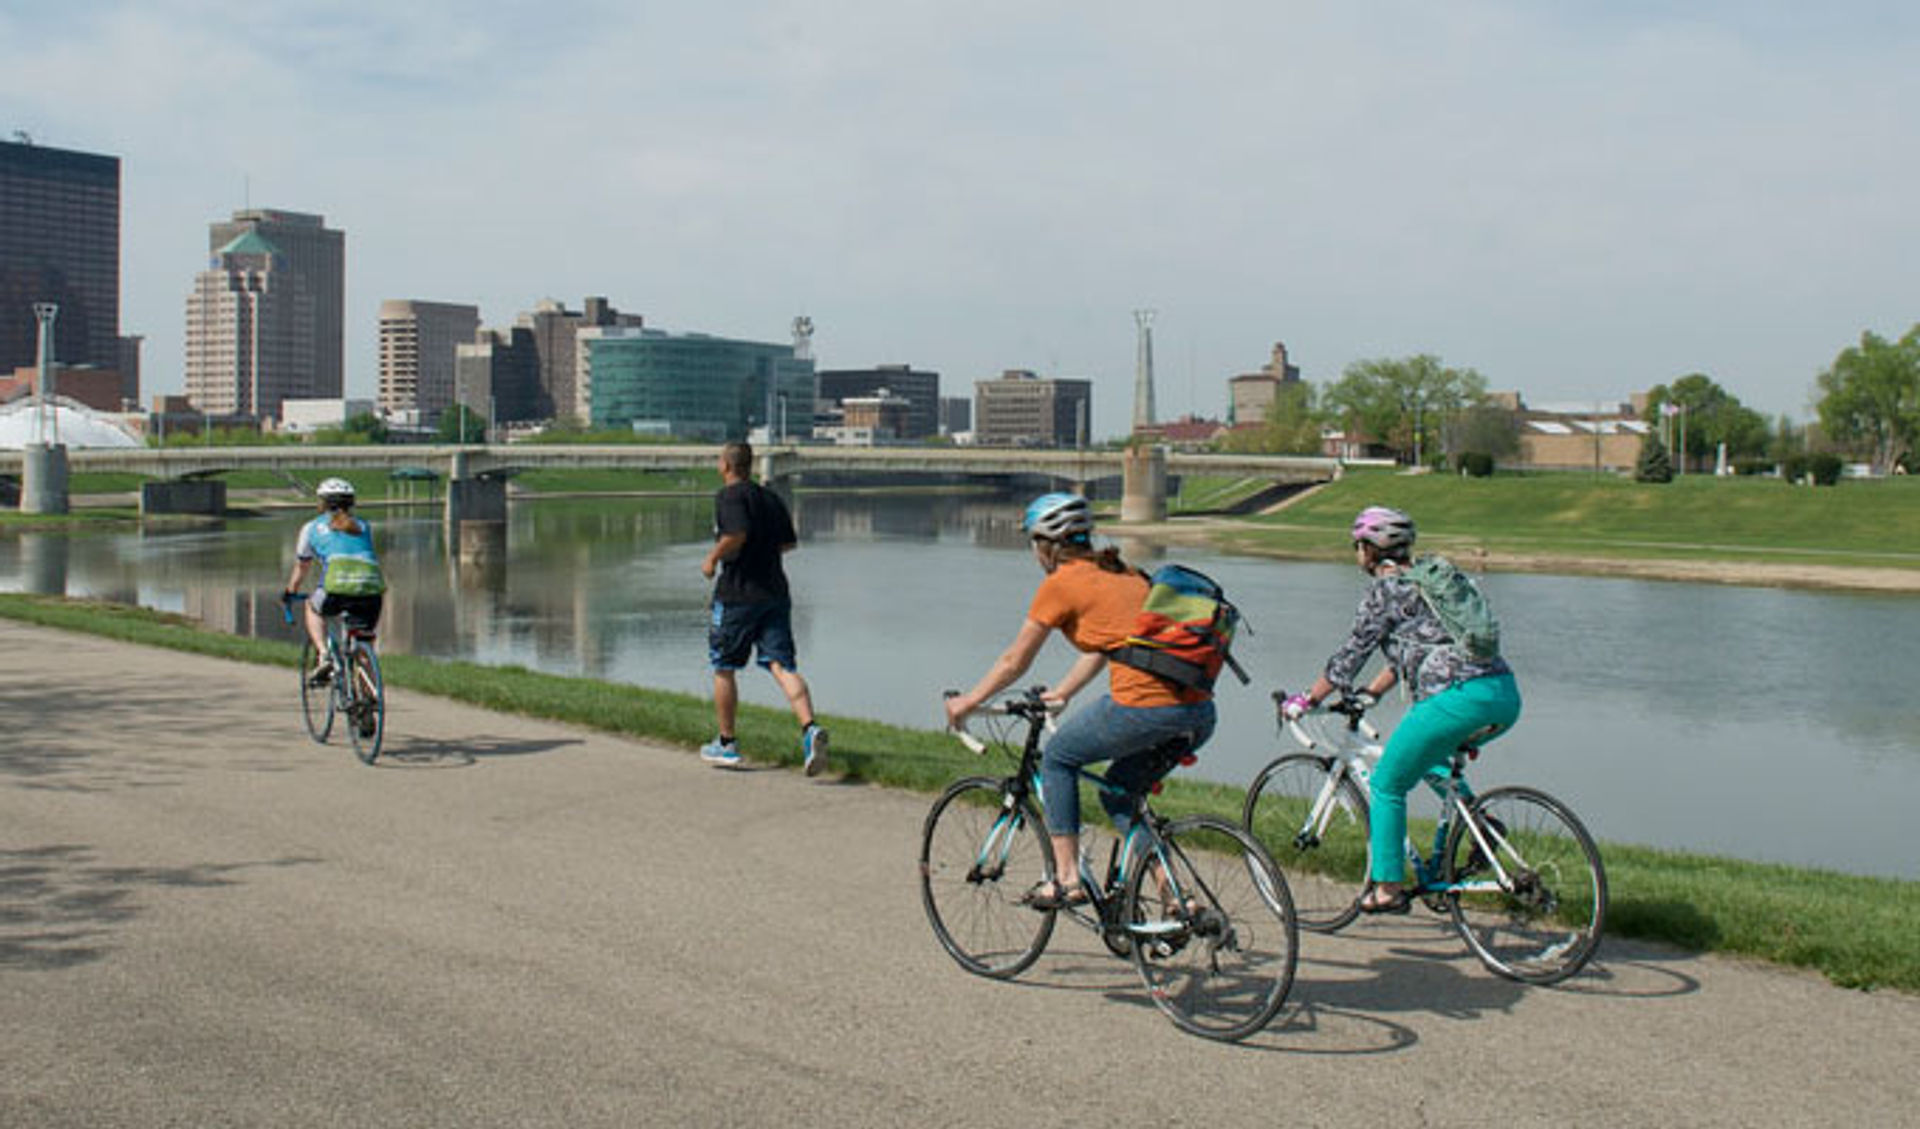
[{"x": 75, "y": 424}]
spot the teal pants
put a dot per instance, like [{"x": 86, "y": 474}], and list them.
[{"x": 1423, "y": 744}]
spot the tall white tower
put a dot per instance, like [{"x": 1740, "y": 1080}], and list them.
[{"x": 1143, "y": 371}]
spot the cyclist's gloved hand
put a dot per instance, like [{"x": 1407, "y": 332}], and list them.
[
  {"x": 1365, "y": 700},
  {"x": 1296, "y": 707}
]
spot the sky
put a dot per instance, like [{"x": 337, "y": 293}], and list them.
[{"x": 1577, "y": 200}]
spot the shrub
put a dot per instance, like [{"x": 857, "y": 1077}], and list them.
[
  {"x": 1824, "y": 468},
  {"x": 1751, "y": 465},
  {"x": 1794, "y": 467},
  {"x": 1474, "y": 464}
]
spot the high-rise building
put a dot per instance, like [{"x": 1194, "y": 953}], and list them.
[
  {"x": 249, "y": 332},
  {"x": 553, "y": 327},
  {"x": 694, "y": 386},
  {"x": 921, "y": 391},
  {"x": 317, "y": 254},
  {"x": 498, "y": 374},
  {"x": 418, "y": 343},
  {"x": 59, "y": 243},
  {"x": 1022, "y": 409}
]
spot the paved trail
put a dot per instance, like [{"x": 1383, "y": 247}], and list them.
[{"x": 205, "y": 920}]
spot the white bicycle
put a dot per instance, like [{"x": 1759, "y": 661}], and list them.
[{"x": 1514, "y": 867}]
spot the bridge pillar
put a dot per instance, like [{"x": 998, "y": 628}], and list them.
[
  {"x": 43, "y": 479},
  {"x": 476, "y": 499},
  {"x": 183, "y": 496},
  {"x": 1144, "y": 494}
]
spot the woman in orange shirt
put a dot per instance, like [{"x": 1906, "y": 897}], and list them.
[{"x": 1093, "y": 599}]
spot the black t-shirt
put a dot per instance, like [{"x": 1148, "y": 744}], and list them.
[{"x": 753, "y": 575}]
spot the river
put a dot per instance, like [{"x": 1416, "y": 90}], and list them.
[{"x": 1671, "y": 714}]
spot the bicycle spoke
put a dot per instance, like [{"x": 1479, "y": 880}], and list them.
[
  {"x": 1214, "y": 937},
  {"x": 978, "y": 859},
  {"x": 1533, "y": 907},
  {"x": 1316, "y": 833}
]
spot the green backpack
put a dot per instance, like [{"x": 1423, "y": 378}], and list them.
[{"x": 1458, "y": 603}]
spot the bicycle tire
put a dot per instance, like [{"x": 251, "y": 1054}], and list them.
[
  {"x": 366, "y": 703},
  {"x": 1545, "y": 921},
  {"x": 977, "y": 910},
  {"x": 1221, "y": 964},
  {"x": 1326, "y": 868},
  {"x": 316, "y": 702}
]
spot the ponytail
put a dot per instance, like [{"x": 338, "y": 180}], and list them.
[{"x": 341, "y": 520}]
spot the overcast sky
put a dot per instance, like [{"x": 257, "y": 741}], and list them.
[{"x": 1578, "y": 200}]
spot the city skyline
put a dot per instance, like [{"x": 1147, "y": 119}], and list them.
[{"x": 1578, "y": 203}]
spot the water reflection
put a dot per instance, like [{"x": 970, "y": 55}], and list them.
[{"x": 1666, "y": 713}]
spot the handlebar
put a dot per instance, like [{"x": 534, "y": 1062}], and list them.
[
  {"x": 287, "y": 600},
  {"x": 1353, "y": 707},
  {"x": 1031, "y": 706}
]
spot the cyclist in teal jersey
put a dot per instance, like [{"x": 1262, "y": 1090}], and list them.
[{"x": 351, "y": 582}]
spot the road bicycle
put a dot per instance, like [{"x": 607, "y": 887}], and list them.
[
  {"x": 1513, "y": 867},
  {"x": 1194, "y": 901},
  {"x": 354, "y": 691}
]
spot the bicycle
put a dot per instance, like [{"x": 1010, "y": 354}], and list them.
[
  {"x": 1514, "y": 867},
  {"x": 1194, "y": 902},
  {"x": 355, "y": 690}
]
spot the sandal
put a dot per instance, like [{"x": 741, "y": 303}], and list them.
[
  {"x": 1048, "y": 895},
  {"x": 1400, "y": 901}
]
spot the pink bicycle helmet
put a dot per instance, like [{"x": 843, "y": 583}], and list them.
[{"x": 1383, "y": 528}]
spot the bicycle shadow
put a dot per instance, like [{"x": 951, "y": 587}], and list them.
[{"x": 462, "y": 752}]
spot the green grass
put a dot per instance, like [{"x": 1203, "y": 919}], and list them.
[
  {"x": 1858, "y": 931},
  {"x": 1202, "y": 493},
  {"x": 1858, "y": 522}
]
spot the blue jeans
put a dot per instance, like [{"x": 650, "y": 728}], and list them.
[
  {"x": 1423, "y": 743},
  {"x": 1124, "y": 735}
]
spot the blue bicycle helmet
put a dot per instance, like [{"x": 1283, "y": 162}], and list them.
[{"x": 1058, "y": 517}]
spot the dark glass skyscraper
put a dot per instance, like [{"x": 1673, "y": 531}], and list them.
[{"x": 59, "y": 242}]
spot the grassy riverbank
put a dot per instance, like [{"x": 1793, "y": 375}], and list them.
[
  {"x": 1857, "y": 931},
  {"x": 1857, "y": 523}
]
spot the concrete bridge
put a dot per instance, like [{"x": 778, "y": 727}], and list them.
[{"x": 476, "y": 474}]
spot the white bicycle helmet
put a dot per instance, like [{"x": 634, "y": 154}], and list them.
[
  {"x": 1058, "y": 517},
  {"x": 335, "y": 490}
]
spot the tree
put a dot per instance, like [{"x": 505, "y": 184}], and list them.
[
  {"x": 461, "y": 424},
  {"x": 1870, "y": 397},
  {"x": 1653, "y": 464},
  {"x": 1292, "y": 426},
  {"x": 1709, "y": 416},
  {"x": 1403, "y": 402},
  {"x": 1487, "y": 429}
]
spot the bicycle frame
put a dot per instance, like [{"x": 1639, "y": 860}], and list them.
[
  {"x": 1142, "y": 839},
  {"x": 1355, "y": 748}
]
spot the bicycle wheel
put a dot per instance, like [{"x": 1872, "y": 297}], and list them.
[
  {"x": 1318, "y": 838},
  {"x": 366, "y": 703},
  {"x": 979, "y": 855},
  {"x": 1537, "y": 915},
  {"x": 316, "y": 702},
  {"x": 1217, "y": 947}
]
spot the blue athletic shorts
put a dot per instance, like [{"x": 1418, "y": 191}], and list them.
[{"x": 737, "y": 630}]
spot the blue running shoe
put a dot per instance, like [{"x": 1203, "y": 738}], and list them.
[
  {"x": 813, "y": 742},
  {"x": 721, "y": 754}
]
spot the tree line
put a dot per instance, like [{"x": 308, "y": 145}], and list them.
[{"x": 1426, "y": 412}]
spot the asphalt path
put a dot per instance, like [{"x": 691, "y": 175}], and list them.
[{"x": 207, "y": 920}]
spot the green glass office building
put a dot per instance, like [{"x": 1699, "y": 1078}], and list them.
[{"x": 693, "y": 386}]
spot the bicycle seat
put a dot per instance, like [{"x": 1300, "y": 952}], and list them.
[
  {"x": 366, "y": 634},
  {"x": 1174, "y": 753}
]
